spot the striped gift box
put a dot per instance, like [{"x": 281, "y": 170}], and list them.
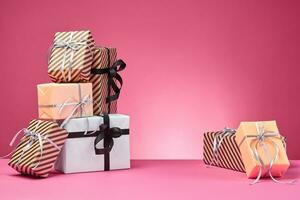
[
  {"x": 104, "y": 58},
  {"x": 38, "y": 149},
  {"x": 228, "y": 154},
  {"x": 71, "y": 57}
]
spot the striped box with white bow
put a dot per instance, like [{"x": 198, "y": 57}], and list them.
[
  {"x": 70, "y": 57},
  {"x": 221, "y": 150},
  {"x": 38, "y": 149}
]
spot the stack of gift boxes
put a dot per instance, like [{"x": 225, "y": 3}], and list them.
[
  {"x": 255, "y": 148},
  {"x": 77, "y": 129}
]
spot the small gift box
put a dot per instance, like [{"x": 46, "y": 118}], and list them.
[
  {"x": 95, "y": 144},
  {"x": 62, "y": 101},
  {"x": 262, "y": 149},
  {"x": 106, "y": 81},
  {"x": 71, "y": 57},
  {"x": 221, "y": 150},
  {"x": 38, "y": 149}
]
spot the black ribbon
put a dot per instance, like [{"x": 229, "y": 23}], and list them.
[{"x": 114, "y": 79}]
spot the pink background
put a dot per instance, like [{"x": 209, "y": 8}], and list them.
[{"x": 193, "y": 66}]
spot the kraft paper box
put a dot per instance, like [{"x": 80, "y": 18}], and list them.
[
  {"x": 79, "y": 153},
  {"x": 38, "y": 149},
  {"x": 60, "y": 101},
  {"x": 249, "y": 137},
  {"x": 71, "y": 57},
  {"x": 105, "y": 60},
  {"x": 221, "y": 150}
]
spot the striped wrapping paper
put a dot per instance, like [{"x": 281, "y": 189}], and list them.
[
  {"x": 103, "y": 58},
  {"x": 29, "y": 160},
  {"x": 229, "y": 155},
  {"x": 71, "y": 57}
]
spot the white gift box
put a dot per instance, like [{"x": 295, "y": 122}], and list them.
[{"x": 78, "y": 154}]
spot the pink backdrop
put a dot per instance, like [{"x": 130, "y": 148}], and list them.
[{"x": 193, "y": 66}]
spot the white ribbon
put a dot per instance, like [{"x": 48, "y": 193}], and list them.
[{"x": 84, "y": 101}]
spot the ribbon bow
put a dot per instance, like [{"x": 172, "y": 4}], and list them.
[
  {"x": 75, "y": 46},
  {"x": 218, "y": 139},
  {"x": 260, "y": 140},
  {"x": 113, "y": 78},
  {"x": 78, "y": 107},
  {"x": 108, "y": 134}
]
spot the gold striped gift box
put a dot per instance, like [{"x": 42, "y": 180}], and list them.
[
  {"x": 104, "y": 58},
  {"x": 223, "y": 153},
  {"x": 38, "y": 149},
  {"x": 71, "y": 57}
]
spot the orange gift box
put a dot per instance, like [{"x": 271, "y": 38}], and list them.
[
  {"x": 262, "y": 149},
  {"x": 67, "y": 100}
]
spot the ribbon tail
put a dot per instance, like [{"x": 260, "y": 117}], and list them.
[
  {"x": 281, "y": 182},
  {"x": 271, "y": 165},
  {"x": 70, "y": 116},
  {"x": 258, "y": 177},
  {"x": 41, "y": 150}
]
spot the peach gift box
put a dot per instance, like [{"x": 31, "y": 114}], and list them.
[
  {"x": 252, "y": 165},
  {"x": 60, "y": 101}
]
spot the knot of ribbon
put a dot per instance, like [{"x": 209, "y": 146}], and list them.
[
  {"x": 108, "y": 134},
  {"x": 78, "y": 107},
  {"x": 260, "y": 140},
  {"x": 31, "y": 137},
  {"x": 114, "y": 79},
  {"x": 218, "y": 139},
  {"x": 113, "y": 76},
  {"x": 74, "y": 46}
]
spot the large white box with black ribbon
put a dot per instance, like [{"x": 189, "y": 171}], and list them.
[{"x": 98, "y": 143}]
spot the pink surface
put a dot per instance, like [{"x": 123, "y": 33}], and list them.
[
  {"x": 147, "y": 180},
  {"x": 193, "y": 65}
]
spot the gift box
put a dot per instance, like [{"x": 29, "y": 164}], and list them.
[
  {"x": 62, "y": 101},
  {"x": 106, "y": 81},
  {"x": 98, "y": 143},
  {"x": 71, "y": 57},
  {"x": 262, "y": 149},
  {"x": 221, "y": 150},
  {"x": 38, "y": 149}
]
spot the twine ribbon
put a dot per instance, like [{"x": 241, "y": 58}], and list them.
[
  {"x": 260, "y": 140},
  {"x": 73, "y": 46}
]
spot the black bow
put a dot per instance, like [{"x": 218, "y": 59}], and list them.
[
  {"x": 107, "y": 134},
  {"x": 113, "y": 78}
]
